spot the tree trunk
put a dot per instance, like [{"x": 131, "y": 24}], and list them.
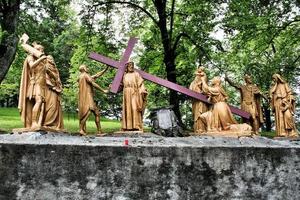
[
  {"x": 169, "y": 57},
  {"x": 9, "y": 40},
  {"x": 268, "y": 121}
]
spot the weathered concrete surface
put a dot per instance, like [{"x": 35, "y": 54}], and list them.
[{"x": 57, "y": 166}]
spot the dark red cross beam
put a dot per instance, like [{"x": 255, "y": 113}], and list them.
[{"x": 120, "y": 65}]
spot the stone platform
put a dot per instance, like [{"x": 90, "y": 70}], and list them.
[{"x": 59, "y": 166}]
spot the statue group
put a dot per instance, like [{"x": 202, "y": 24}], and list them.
[
  {"x": 217, "y": 117},
  {"x": 41, "y": 89}
]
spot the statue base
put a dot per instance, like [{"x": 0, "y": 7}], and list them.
[
  {"x": 38, "y": 129},
  {"x": 229, "y": 134},
  {"x": 47, "y": 166}
]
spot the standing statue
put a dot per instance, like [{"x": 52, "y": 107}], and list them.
[
  {"x": 134, "y": 99},
  {"x": 86, "y": 103},
  {"x": 33, "y": 84},
  {"x": 198, "y": 107},
  {"x": 283, "y": 105},
  {"x": 219, "y": 118},
  {"x": 53, "y": 109},
  {"x": 250, "y": 101}
]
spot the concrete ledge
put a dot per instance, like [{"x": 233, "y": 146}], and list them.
[{"x": 59, "y": 166}]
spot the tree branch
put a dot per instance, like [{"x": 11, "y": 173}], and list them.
[{"x": 130, "y": 4}]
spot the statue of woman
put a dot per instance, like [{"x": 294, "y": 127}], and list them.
[
  {"x": 198, "y": 107},
  {"x": 53, "y": 110},
  {"x": 283, "y": 105},
  {"x": 219, "y": 118}
]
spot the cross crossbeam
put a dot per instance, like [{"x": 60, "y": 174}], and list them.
[{"x": 120, "y": 65}]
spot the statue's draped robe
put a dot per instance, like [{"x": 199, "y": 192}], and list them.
[
  {"x": 25, "y": 105},
  {"x": 283, "y": 104},
  {"x": 134, "y": 101},
  {"x": 53, "y": 110},
  {"x": 198, "y": 107},
  {"x": 86, "y": 92},
  {"x": 219, "y": 117}
]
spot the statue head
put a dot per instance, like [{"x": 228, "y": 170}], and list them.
[
  {"x": 216, "y": 81},
  {"x": 200, "y": 71},
  {"x": 38, "y": 47},
  {"x": 248, "y": 79},
  {"x": 130, "y": 66},
  {"x": 83, "y": 68},
  {"x": 278, "y": 78},
  {"x": 50, "y": 59}
]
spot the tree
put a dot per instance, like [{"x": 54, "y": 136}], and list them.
[
  {"x": 9, "y": 12},
  {"x": 163, "y": 15}
]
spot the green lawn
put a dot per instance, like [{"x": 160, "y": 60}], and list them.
[{"x": 10, "y": 119}]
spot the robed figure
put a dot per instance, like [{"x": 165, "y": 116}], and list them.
[
  {"x": 53, "y": 109},
  {"x": 283, "y": 106},
  {"x": 134, "y": 99},
  {"x": 198, "y": 107},
  {"x": 220, "y": 117},
  {"x": 40, "y": 89}
]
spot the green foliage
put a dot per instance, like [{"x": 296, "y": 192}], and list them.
[{"x": 259, "y": 37}]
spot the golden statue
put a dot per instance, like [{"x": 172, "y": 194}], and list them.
[
  {"x": 219, "y": 118},
  {"x": 283, "y": 105},
  {"x": 250, "y": 101},
  {"x": 53, "y": 110},
  {"x": 134, "y": 99},
  {"x": 40, "y": 89},
  {"x": 86, "y": 103},
  {"x": 198, "y": 107}
]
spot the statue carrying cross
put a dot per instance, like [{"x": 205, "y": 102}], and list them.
[{"x": 120, "y": 65}]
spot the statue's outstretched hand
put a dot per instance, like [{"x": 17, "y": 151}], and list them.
[{"x": 24, "y": 38}]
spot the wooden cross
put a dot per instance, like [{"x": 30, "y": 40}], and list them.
[{"x": 120, "y": 65}]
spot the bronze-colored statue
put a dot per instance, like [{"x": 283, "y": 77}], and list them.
[
  {"x": 40, "y": 89},
  {"x": 250, "y": 101},
  {"x": 53, "y": 110},
  {"x": 86, "y": 103},
  {"x": 283, "y": 105},
  {"x": 134, "y": 99},
  {"x": 219, "y": 118},
  {"x": 198, "y": 107}
]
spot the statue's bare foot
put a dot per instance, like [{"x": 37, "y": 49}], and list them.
[
  {"x": 100, "y": 133},
  {"x": 82, "y": 133},
  {"x": 35, "y": 126}
]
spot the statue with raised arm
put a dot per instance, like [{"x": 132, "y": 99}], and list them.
[
  {"x": 33, "y": 85},
  {"x": 40, "y": 90},
  {"x": 283, "y": 106},
  {"x": 86, "y": 103},
  {"x": 198, "y": 107},
  {"x": 250, "y": 101},
  {"x": 134, "y": 99}
]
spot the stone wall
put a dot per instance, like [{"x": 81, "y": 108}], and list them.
[{"x": 37, "y": 166}]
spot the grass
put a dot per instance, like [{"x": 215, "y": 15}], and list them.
[{"x": 10, "y": 119}]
